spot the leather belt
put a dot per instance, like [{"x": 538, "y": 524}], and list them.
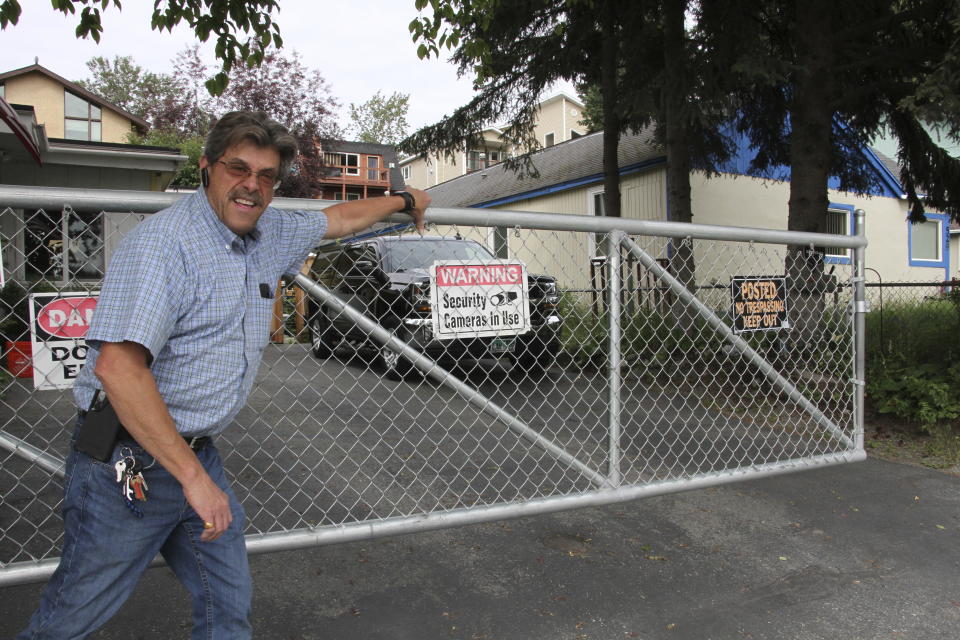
[{"x": 194, "y": 442}]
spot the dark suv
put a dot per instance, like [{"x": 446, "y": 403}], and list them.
[{"x": 388, "y": 279}]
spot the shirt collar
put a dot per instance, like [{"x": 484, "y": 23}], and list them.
[{"x": 213, "y": 222}]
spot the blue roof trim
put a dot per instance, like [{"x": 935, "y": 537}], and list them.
[
  {"x": 743, "y": 155},
  {"x": 738, "y": 164},
  {"x": 569, "y": 184},
  {"x": 894, "y": 188}
]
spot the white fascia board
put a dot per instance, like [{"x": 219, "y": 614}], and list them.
[{"x": 115, "y": 158}]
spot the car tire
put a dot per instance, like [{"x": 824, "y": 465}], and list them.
[
  {"x": 394, "y": 365},
  {"x": 322, "y": 340}
]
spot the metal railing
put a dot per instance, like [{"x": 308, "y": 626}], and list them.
[{"x": 595, "y": 404}]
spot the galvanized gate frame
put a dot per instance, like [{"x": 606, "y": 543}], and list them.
[{"x": 608, "y": 487}]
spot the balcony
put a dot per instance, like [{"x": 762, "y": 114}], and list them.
[{"x": 355, "y": 169}]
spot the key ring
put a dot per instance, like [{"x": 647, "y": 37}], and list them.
[{"x": 127, "y": 452}]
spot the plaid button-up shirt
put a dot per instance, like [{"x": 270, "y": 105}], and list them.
[{"x": 189, "y": 290}]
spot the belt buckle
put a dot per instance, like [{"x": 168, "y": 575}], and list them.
[{"x": 191, "y": 442}]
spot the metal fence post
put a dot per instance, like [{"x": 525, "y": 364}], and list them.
[
  {"x": 859, "y": 331},
  {"x": 614, "y": 238}
]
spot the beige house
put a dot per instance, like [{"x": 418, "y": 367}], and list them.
[
  {"x": 558, "y": 120},
  {"x": 571, "y": 181}
]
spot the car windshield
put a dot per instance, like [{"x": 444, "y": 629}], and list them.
[{"x": 405, "y": 255}]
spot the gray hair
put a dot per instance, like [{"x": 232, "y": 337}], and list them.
[{"x": 255, "y": 126}]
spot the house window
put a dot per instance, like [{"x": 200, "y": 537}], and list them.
[
  {"x": 595, "y": 208},
  {"x": 927, "y": 241},
  {"x": 494, "y": 156},
  {"x": 597, "y": 204},
  {"x": 548, "y": 140},
  {"x": 574, "y": 134},
  {"x": 82, "y": 119},
  {"x": 64, "y": 245},
  {"x": 476, "y": 161},
  {"x": 353, "y": 196},
  {"x": 3, "y": 94},
  {"x": 839, "y": 222},
  {"x": 405, "y": 172},
  {"x": 342, "y": 164},
  {"x": 373, "y": 165}
]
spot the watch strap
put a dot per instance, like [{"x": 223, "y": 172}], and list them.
[{"x": 409, "y": 202}]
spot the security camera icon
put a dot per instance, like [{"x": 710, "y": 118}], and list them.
[{"x": 504, "y": 297}]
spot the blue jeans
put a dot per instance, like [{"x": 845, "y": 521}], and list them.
[{"x": 107, "y": 548}]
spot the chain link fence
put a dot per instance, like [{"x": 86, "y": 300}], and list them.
[
  {"x": 906, "y": 316},
  {"x": 636, "y": 370}
]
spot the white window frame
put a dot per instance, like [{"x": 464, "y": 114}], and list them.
[
  {"x": 592, "y": 194},
  {"x": 842, "y": 256},
  {"x": 941, "y": 221},
  {"x": 89, "y": 120}
]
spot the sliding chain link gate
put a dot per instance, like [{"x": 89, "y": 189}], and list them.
[{"x": 649, "y": 367}]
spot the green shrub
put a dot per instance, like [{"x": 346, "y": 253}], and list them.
[
  {"x": 913, "y": 372},
  {"x": 922, "y": 394}
]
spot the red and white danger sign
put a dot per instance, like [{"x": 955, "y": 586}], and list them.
[
  {"x": 473, "y": 299},
  {"x": 58, "y": 326}
]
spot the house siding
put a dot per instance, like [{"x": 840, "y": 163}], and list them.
[
  {"x": 43, "y": 94},
  {"x": 558, "y": 116},
  {"x": 753, "y": 202}
]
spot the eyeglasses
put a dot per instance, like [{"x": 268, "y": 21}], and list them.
[{"x": 267, "y": 179}]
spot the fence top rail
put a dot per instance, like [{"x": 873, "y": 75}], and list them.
[
  {"x": 16, "y": 196},
  {"x": 927, "y": 283}
]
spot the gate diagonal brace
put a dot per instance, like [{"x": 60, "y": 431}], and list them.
[
  {"x": 31, "y": 454},
  {"x": 444, "y": 377},
  {"x": 736, "y": 341}
]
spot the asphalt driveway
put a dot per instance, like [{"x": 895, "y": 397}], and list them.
[{"x": 862, "y": 551}]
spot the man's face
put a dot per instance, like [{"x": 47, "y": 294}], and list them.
[{"x": 238, "y": 199}]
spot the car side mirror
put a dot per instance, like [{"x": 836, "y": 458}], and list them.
[
  {"x": 370, "y": 269},
  {"x": 365, "y": 267}
]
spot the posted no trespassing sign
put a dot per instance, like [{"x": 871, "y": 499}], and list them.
[{"x": 474, "y": 299}]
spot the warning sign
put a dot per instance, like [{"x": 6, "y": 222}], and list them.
[
  {"x": 58, "y": 325},
  {"x": 759, "y": 303},
  {"x": 472, "y": 299}
]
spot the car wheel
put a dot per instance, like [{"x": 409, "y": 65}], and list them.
[
  {"x": 395, "y": 366},
  {"x": 322, "y": 339}
]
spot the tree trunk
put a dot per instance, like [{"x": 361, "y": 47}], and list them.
[
  {"x": 611, "y": 119},
  {"x": 673, "y": 118},
  {"x": 810, "y": 151}
]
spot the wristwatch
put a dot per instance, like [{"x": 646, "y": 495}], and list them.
[{"x": 409, "y": 202}]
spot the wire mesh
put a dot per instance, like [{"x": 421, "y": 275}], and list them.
[{"x": 341, "y": 429}]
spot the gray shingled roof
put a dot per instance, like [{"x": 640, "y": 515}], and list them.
[
  {"x": 577, "y": 160},
  {"x": 892, "y": 165}
]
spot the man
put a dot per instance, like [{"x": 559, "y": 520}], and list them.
[{"x": 175, "y": 344}]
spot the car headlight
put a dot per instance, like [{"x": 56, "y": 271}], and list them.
[
  {"x": 420, "y": 297},
  {"x": 550, "y": 297}
]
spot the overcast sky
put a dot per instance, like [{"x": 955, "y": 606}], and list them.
[{"x": 359, "y": 46}]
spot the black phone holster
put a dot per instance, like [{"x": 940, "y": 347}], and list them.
[{"x": 101, "y": 427}]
